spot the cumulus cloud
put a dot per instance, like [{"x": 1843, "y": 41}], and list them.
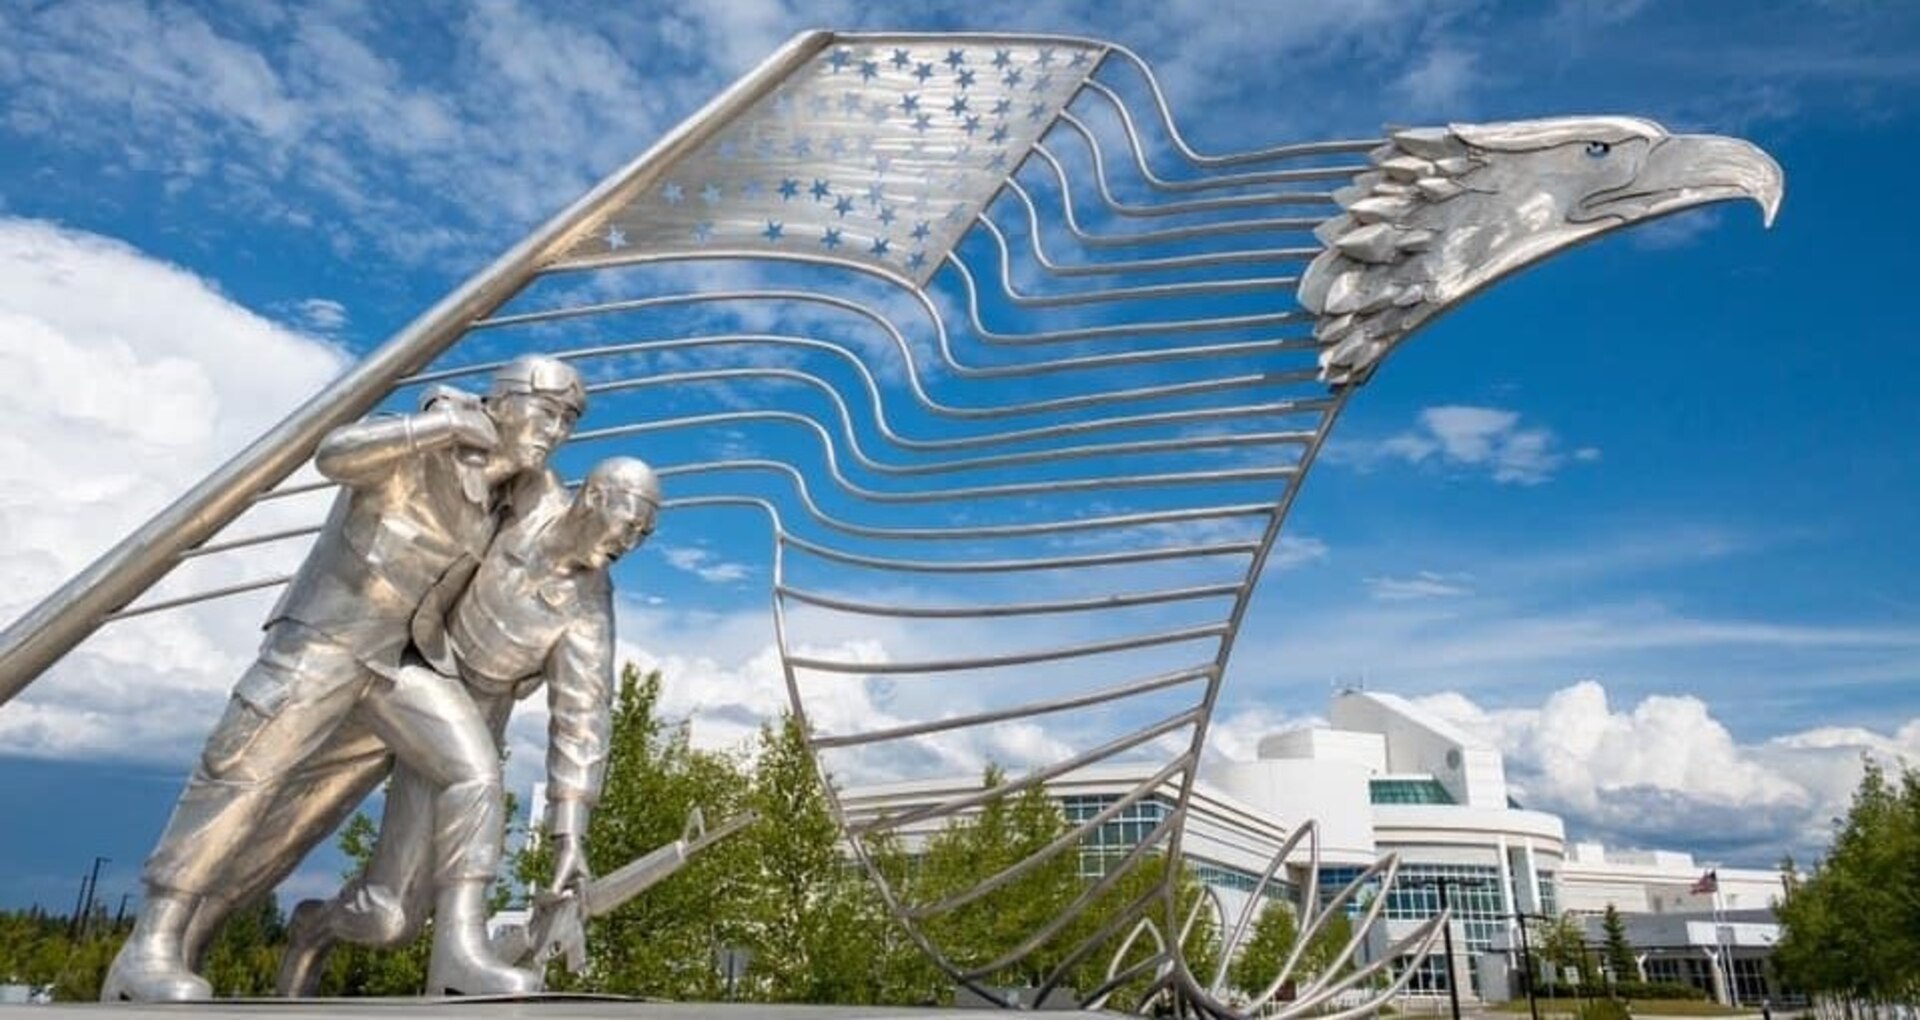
[
  {"x": 702, "y": 563},
  {"x": 1424, "y": 585},
  {"x": 1665, "y": 772},
  {"x": 1480, "y": 439},
  {"x": 128, "y": 379}
]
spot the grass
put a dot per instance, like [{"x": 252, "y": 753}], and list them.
[{"x": 1641, "y": 1007}]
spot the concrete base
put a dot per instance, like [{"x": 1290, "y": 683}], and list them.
[{"x": 544, "y": 1007}]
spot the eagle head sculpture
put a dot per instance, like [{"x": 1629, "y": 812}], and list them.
[{"x": 1447, "y": 211}]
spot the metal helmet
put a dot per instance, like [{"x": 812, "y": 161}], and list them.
[
  {"x": 625, "y": 474},
  {"x": 538, "y": 374}
]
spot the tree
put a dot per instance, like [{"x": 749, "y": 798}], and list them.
[
  {"x": 1852, "y": 928},
  {"x": 1561, "y": 942},
  {"x": 1619, "y": 952},
  {"x": 1274, "y": 933}
]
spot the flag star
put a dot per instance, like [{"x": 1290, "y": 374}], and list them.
[
  {"x": 956, "y": 57},
  {"x": 882, "y": 162},
  {"x": 837, "y": 146},
  {"x": 1046, "y": 56},
  {"x": 875, "y": 192},
  {"x": 916, "y": 260},
  {"x": 958, "y": 106},
  {"x": 921, "y": 230},
  {"x": 703, "y": 231},
  {"x": 773, "y": 231},
  {"x": 998, "y": 162},
  {"x": 789, "y": 188},
  {"x": 1036, "y": 111},
  {"x": 802, "y": 146},
  {"x": 999, "y": 134},
  {"x": 1011, "y": 78},
  {"x": 901, "y": 58},
  {"x": 910, "y": 103},
  {"x": 710, "y": 194},
  {"x": 1079, "y": 59},
  {"x": 922, "y": 121},
  {"x": 673, "y": 193},
  {"x": 843, "y": 205},
  {"x": 923, "y": 71},
  {"x": 972, "y": 124},
  {"x": 616, "y": 238},
  {"x": 1043, "y": 83},
  {"x": 839, "y": 59},
  {"x": 818, "y": 104},
  {"x": 877, "y": 112},
  {"x": 819, "y": 191},
  {"x": 1002, "y": 106},
  {"x": 1001, "y": 58},
  {"x": 831, "y": 239},
  {"x": 965, "y": 78},
  {"x": 879, "y": 247},
  {"x": 887, "y": 215},
  {"x": 753, "y": 189},
  {"x": 763, "y": 147},
  {"x": 869, "y": 70},
  {"x": 850, "y": 102}
]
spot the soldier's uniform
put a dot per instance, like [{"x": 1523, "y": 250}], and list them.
[{"x": 403, "y": 522}]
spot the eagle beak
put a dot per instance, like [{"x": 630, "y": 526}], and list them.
[{"x": 1684, "y": 171}]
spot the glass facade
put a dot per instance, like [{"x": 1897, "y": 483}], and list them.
[
  {"x": 1105, "y": 845},
  {"x": 1408, "y": 791},
  {"x": 1549, "y": 894}
]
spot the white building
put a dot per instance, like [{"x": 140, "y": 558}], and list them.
[{"x": 1385, "y": 777}]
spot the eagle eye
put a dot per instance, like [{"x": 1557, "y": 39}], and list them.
[{"x": 1598, "y": 150}]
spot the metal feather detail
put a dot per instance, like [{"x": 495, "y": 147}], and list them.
[{"x": 1021, "y": 383}]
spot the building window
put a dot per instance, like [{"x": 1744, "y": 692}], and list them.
[
  {"x": 1549, "y": 893},
  {"x": 1408, "y": 791}
]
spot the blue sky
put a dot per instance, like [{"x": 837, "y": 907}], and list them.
[{"x": 1641, "y": 516}]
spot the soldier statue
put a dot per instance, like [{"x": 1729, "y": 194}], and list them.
[
  {"x": 421, "y": 498},
  {"x": 538, "y": 611}
]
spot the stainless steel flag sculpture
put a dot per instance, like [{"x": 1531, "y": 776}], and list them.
[{"x": 1010, "y": 367}]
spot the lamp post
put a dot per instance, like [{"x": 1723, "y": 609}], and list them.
[
  {"x": 1443, "y": 883},
  {"x": 1526, "y": 961}
]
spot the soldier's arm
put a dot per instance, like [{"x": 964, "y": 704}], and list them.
[
  {"x": 580, "y": 714},
  {"x": 362, "y": 451}
]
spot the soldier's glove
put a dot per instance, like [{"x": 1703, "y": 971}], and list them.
[{"x": 470, "y": 426}]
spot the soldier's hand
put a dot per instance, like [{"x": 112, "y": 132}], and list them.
[
  {"x": 471, "y": 426},
  {"x": 569, "y": 864}
]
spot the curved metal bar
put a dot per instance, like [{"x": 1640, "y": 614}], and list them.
[
  {"x": 1154, "y": 291},
  {"x": 941, "y": 809},
  {"x": 249, "y": 540},
  {"x": 1092, "y": 942},
  {"x": 860, "y": 457},
  {"x": 205, "y": 596},
  {"x": 987, "y": 335},
  {"x": 1012, "y": 608},
  {"x": 1010, "y": 566},
  {"x": 1175, "y": 262},
  {"x": 1117, "y": 692},
  {"x": 1388, "y": 865},
  {"x": 1000, "y": 491},
  {"x": 1100, "y": 88},
  {"x": 1234, "y": 936},
  {"x": 1070, "y": 838},
  {"x": 1287, "y": 224},
  {"x": 1203, "y": 205},
  {"x": 1097, "y": 998},
  {"x": 1237, "y": 158},
  {"x": 1088, "y": 896},
  {"x": 1055, "y": 654}
]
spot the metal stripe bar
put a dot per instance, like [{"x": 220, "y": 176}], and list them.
[
  {"x": 1221, "y": 228},
  {"x": 1134, "y": 145},
  {"x": 1011, "y": 608},
  {"x": 987, "y": 335},
  {"x": 1116, "y": 267},
  {"x": 1001, "y": 491},
  {"x": 1119, "y": 208},
  {"x": 205, "y": 596},
  {"x": 1054, "y": 654},
  {"x": 1070, "y": 838},
  {"x": 1116, "y": 692},
  {"x": 1143, "y": 293},
  {"x": 1071, "y": 912},
  {"x": 1036, "y": 777},
  {"x": 1010, "y": 566}
]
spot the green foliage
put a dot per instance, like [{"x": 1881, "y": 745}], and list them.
[
  {"x": 1852, "y": 929},
  {"x": 1602, "y": 1009},
  {"x": 1618, "y": 951},
  {"x": 1271, "y": 941},
  {"x": 1560, "y": 942}
]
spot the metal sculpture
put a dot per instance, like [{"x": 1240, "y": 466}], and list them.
[{"x": 891, "y": 326}]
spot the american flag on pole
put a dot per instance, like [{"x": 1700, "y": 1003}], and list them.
[{"x": 1709, "y": 883}]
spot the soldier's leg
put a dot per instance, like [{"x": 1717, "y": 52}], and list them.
[
  {"x": 282, "y": 710},
  {"x": 314, "y": 801},
  {"x": 452, "y": 845}
]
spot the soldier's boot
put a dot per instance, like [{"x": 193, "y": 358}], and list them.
[
  {"x": 462, "y": 962},
  {"x": 152, "y": 964},
  {"x": 310, "y": 937}
]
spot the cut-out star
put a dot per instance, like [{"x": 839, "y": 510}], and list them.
[
  {"x": 869, "y": 70},
  {"x": 1046, "y": 56},
  {"x": 789, "y": 188},
  {"x": 774, "y": 229},
  {"x": 999, "y": 134},
  {"x": 958, "y": 106},
  {"x": 879, "y": 246},
  {"x": 1001, "y": 58},
  {"x": 831, "y": 239},
  {"x": 910, "y": 103},
  {"x": 616, "y": 238},
  {"x": 840, "y": 59},
  {"x": 673, "y": 193},
  {"x": 850, "y": 102},
  {"x": 703, "y": 231},
  {"x": 901, "y": 58},
  {"x": 843, "y": 205},
  {"x": 1002, "y": 106},
  {"x": 1012, "y": 78},
  {"x": 956, "y": 57},
  {"x": 971, "y": 125},
  {"x": 887, "y": 215},
  {"x": 710, "y": 194},
  {"x": 916, "y": 260},
  {"x": 965, "y": 78},
  {"x": 921, "y": 230},
  {"x": 1080, "y": 59},
  {"x": 922, "y": 121},
  {"x": 819, "y": 191},
  {"x": 923, "y": 71}
]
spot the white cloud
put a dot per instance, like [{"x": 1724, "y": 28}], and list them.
[
  {"x": 703, "y": 564},
  {"x": 1424, "y": 585},
  {"x": 1485, "y": 439},
  {"x": 128, "y": 379},
  {"x": 1666, "y": 772},
  {"x": 1440, "y": 81},
  {"x": 321, "y": 315}
]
